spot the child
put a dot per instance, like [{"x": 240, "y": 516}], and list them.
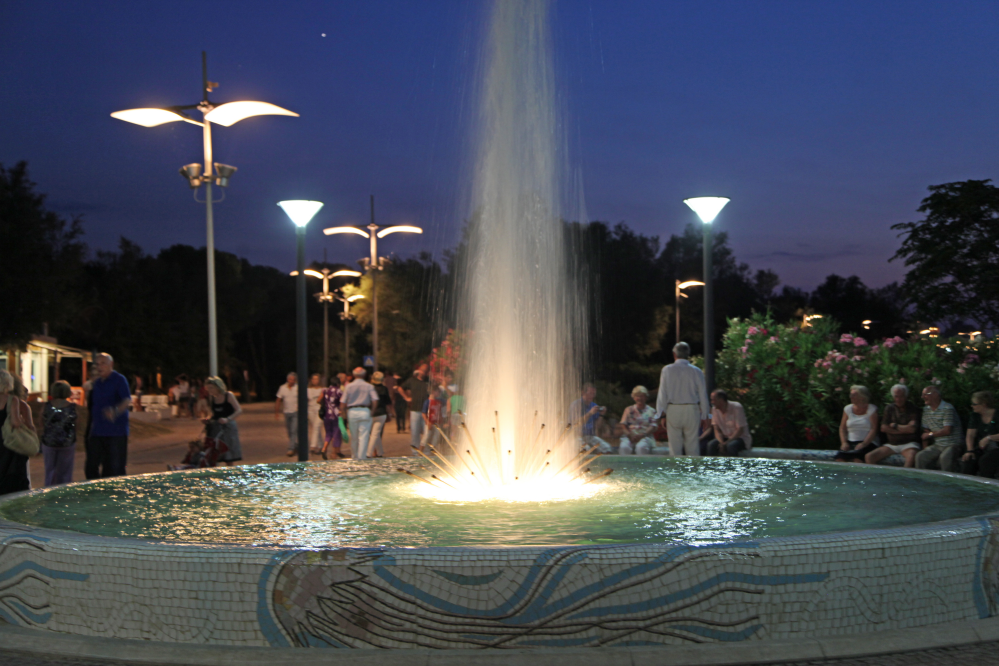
[
  {"x": 195, "y": 457},
  {"x": 59, "y": 436}
]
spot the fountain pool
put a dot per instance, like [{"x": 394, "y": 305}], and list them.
[{"x": 664, "y": 551}]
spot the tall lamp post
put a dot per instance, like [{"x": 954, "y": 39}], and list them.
[
  {"x": 326, "y": 297},
  {"x": 374, "y": 263},
  {"x": 680, "y": 286},
  {"x": 226, "y": 115},
  {"x": 707, "y": 208},
  {"x": 346, "y": 316},
  {"x": 300, "y": 213}
]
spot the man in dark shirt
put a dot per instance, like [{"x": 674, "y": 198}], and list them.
[
  {"x": 415, "y": 391},
  {"x": 107, "y": 446},
  {"x": 901, "y": 425}
]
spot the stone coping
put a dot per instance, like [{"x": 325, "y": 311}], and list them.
[{"x": 38, "y": 643}]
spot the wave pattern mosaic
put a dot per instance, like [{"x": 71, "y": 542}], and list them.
[{"x": 846, "y": 583}]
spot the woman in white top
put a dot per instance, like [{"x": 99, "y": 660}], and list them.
[{"x": 858, "y": 429}]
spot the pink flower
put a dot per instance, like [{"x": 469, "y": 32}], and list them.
[
  {"x": 897, "y": 340},
  {"x": 826, "y": 364},
  {"x": 859, "y": 371},
  {"x": 744, "y": 350},
  {"x": 752, "y": 330},
  {"x": 889, "y": 343},
  {"x": 846, "y": 337},
  {"x": 818, "y": 362},
  {"x": 971, "y": 358},
  {"x": 859, "y": 342},
  {"x": 857, "y": 358},
  {"x": 840, "y": 358},
  {"x": 960, "y": 371},
  {"x": 876, "y": 348},
  {"x": 773, "y": 338}
]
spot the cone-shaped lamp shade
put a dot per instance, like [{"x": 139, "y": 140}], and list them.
[
  {"x": 231, "y": 113},
  {"x": 299, "y": 211},
  {"x": 707, "y": 208},
  {"x": 148, "y": 117}
]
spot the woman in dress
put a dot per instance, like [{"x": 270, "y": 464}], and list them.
[
  {"x": 330, "y": 410},
  {"x": 13, "y": 466},
  {"x": 639, "y": 424},
  {"x": 221, "y": 424},
  {"x": 59, "y": 436},
  {"x": 315, "y": 400},
  {"x": 858, "y": 429}
]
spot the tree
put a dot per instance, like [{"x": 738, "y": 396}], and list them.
[
  {"x": 41, "y": 255},
  {"x": 953, "y": 254}
]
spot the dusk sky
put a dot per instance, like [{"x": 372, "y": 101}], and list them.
[{"x": 823, "y": 121}]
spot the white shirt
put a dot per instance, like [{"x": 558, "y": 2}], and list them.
[
  {"x": 359, "y": 393},
  {"x": 682, "y": 384},
  {"x": 859, "y": 425},
  {"x": 315, "y": 392},
  {"x": 289, "y": 398}
]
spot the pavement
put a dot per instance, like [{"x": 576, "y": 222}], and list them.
[{"x": 152, "y": 447}]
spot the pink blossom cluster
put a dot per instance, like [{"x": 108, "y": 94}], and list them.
[{"x": 891, "y": 342}]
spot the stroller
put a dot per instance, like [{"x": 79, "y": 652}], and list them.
[{"x": 203, "y": 452}]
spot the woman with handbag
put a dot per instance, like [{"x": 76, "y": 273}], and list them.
[{"x": 18, "y": 440}]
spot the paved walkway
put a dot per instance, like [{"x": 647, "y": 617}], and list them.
[{"x": 262, "y": 437}]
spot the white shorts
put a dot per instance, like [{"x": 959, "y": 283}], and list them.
[{"x": 898, "y": 448}]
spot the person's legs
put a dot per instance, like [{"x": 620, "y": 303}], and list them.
[
  {"x": 415, "y": 429},
  {"x": 691, "y": 430},
  {"x": 674, "y": 431},
  {"x": 988, "y": 464},
  {"x": 970, "y": 466},
  {"x": 115, "y": 457},
  {"x": 734, "y": 446},
  {"x": 625, "y": 448},
  {"x": 377, "y": 428},
  {"x": 315, "y": 427},
  {"x": 291, "y": 426},
  {"x": 360, "y": 432},
  {"x": 645, "y": 446},
  {"x": 92, "y": 465},
  {"x": 64, "y": 465},
  {"x": 947, "y": 458},
  {"x": 50, "y": 454},
  {"x": 877, "y": 455},
  {"x": 713, "y": 448},
  {"x": 910, "y": 457},
  {"x": 927, "y": 458}
]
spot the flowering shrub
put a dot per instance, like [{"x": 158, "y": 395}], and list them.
[{"x": 794, "y": 382}]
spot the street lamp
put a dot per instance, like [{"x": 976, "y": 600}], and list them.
[
  {"x": 374, "y": 263},
  {"x": 300, "y": 213},
  {"x": 326, "y": 297},
  {"x": 225, "y": 115},
  {"x": 707, "y": 208},
  {"x": 680, "y": 286},
  {"x": 346, "y": 316}
]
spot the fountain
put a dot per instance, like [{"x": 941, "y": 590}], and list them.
[{"x": 511, "y": 537}]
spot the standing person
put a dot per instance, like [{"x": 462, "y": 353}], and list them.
[
  {"x": 107, "y": 448},
  {"x": 13, "y": 466},
  {"x": 730, "y": 427},
  {"x": 315, "y": 391},
  {"x": 379, "y": 415},
  {"x": 682, "y": 402},
  {"x": 399, "y": 405},
  {"x": 639, "y": 422},
  {"x": 584, "y": 414},
  {"x": 221, "y": 424},
  {"x": 361, "y": 399},
  {"x": 183, "y": 394},
  {"x": 901, "y": 426},
  {"x": 415, "y": 391},
  {"x": 287, "y": 403},
  {"x": 59, "y": 436},
  {"x": 330, "y": 409},
  {"x": 858, "y": 427},
  {"x": 941, "y": 427}
]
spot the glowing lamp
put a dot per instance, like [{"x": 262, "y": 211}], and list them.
[
  {"x": 150, "y": 117},
  {"x": 300, "y": 211},
  {"x": 346, "y": 274},
  {"x": 346, "y": 230},
  {"x": 400, "y": 227},
  {"x": 689, "y": 283},
  {"x": 355, "y": 297},
  {"x": 707, "y": 208},
  {"x": 229, "y": 114}
]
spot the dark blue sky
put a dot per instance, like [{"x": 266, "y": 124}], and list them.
[{"x": 823, "y": 121}]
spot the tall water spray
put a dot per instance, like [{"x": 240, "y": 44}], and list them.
[{"x": 521, "y": 303}]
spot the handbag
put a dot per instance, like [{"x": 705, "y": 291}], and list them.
[
  {"x": 344, "y": 432},
  {"x": 16, "y": 437}
]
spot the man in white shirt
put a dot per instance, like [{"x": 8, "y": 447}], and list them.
[
  {"x": 360, "y": 399},
  {"x": 287, "y": 402},
  {"x": 683, "y": 400},
  {"x": 731, "y": 429}
]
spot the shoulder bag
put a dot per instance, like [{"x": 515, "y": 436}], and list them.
[{"x": 16, "y": 436}]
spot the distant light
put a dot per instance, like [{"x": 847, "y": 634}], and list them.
[
  {"x": 707, "y": 208},
  {"x": 229, "y": 114},
  {"x": 924, "y": 332},
  {"x": 312, "y": 273},
  {"x": 346, "y": 274},
  {"x": 866, "y": 322},
  {"x": 689, "y": 283},
  {"x": 300, "y": 211},
  {"x": 150, "y": 117},
  {"x": 346, "y": 230},
  {"x": 402, "y": 227},
  {"x": 355, "y": 297}
]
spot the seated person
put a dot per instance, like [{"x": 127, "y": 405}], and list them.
[
  {"x": 195, "y": 457},
  {"x": 729, "y": 425},
  {"x": 941, "y": 428},
  {"x": 858, "y": 429},
  {"x": 584, "y": 414},
  {"x": 982, "y": 437},
  {"x": 639, "y": 423},
  {"x": 901, "y": 425}
]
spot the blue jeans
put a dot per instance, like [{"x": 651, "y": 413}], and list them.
[
  {"x": 359, "y": 420},
  {"x": 416, "y": 428},
  {"x": 291, "y": 425}
]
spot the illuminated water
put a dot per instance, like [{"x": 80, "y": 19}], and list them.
[{"x": 369, "y": 504}]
